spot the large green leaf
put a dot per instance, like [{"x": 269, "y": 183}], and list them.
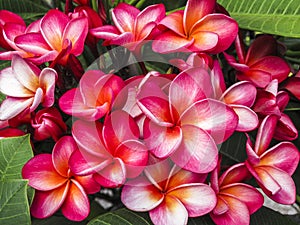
[
  {"x": 14, "y": 153},
  {"x": 14, "y": 208},
  {"x": 268, "y": 16}
]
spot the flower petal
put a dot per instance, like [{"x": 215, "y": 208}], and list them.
[
  {"x": 224, "y": 26},
  {"x": 10, "y": 85},
  {"x": 134, "y": 154},
  {"x": 265, "y": 134},
  {"x": 46, "y": 203},
  {"x": 105, "y": 32},
  {"x": 248, "y": 119},
  {"x": 285, "y": 129},
  {"x": 241, "y": 93},
  {"x": 197, "y": 152},
  {"x": 160, "y": 140},
  {"x": 170, "y": 211},
  {"x": 11, "y": 107},
  {"x": 195, "y": 10},
  {"x": 41, "y": 173},
  {"x": 124, "y": 16},
  {"x": 284, "y": 156},
  {"x": 52, "y": 27},
  {"x": 47, "y": 80},
  {"x": 277, "y": 184},
  {"x": 188, "y": 87},
  {"x": 169, "y": 42},
  {"x": 259, "y": 78},
  {"x": 75, "y": 35},
  {"x": 236, "y": 214},
  {"x": 25, "y": 73},
  {"x": 218, "y": 119},
  {"x": 76, "y": 206},
  {"x": 204, "y": 41},
  {"x": 61, "y": 154},
  {"x": 33, "y": 43},
  {"x": 174, "y": 22},
  {"x": 197, "y": 198},
  {"x": 118, "y": 127},
  {"x": 88, "y": 183},
  {"x": 112, "y": 175},
  {"x": 245, "y": 193},
  {"x": 140, "y": 195}
]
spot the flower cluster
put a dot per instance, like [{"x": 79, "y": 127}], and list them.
[{"x": 154, "y": 136}]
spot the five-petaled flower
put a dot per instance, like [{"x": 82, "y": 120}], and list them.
[
  {"x": 56, "y": 186},
  {"x": 25, "y": 87},
  {"x": 196, "y": 29},
  {"x": 169, "y": 193},
  {"x": 272, "y": 168},
  {"x": 112, "y": 151},
  {"x": 236, "y": 201}
]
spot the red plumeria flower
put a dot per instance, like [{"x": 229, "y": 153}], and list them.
[
  {"x": 94, "y": 96},
  {"x": 182, "y": 123},
  {"x": 56, "y": 186},
  {"x": 236, "y": 201},
  {"x": 12, "y": 26},
  {"x": 272, "y": 168},
  {"x": 169, "y": 193},
  {"x": 132, "y": 26},
  {"x": 48, "y": 123},
  {"x": 196, "y": 29},
  {"x": 25, "y": 86},
  {"x": 271, "y": 101},
  {"x": 260, "y": 65},
  {"x": 112, "y": 152},
  {"x": 59, "y": 37}
]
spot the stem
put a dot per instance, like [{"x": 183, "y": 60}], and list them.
[
  {"x": 68, "y": 6},
  {"x": 292, "y": 109},
  {"x": 240, "y": 48},
  {"x": 133, "y": 2},
  {"x": 140, "y": 3}
]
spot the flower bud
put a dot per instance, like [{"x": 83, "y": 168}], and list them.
[{"x": 48, "y": 123}]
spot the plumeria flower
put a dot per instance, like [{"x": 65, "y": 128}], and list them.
[
  {"x": 25, "y": 86},
  {"x": 271, "y": 101},
  {"x": 260, "y": 65},
  {"x": 56, "y": 186},
  {"x": 272, "y": 168},
  {"x": 112, "y": 152},
  {"x": 48, "y": 123},
  {"x": 94, "y": 96},
  {"x": 59, "y": 37},
  {"x": 12, "y": 26},
  {"x": 132, "y": 26},
  {"x": 169, "y": 193},
  {"x": 11, "y": 132},
  {"x": 183, "y": 123},
  {"x": 196, "y": 29},
  {"x": 236, "y": 201}
]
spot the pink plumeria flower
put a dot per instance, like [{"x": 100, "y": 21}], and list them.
[
  {"x": 56, "y": 186},
  {"x": 196, "y": 29},
  {"x": 169, "y": 193},
  {"x": 48, "y": 123},
  {"x": 236, "y": 201},
  {"x": 182, "y": 122},
  {"x": 260, "y": 65},
  {"x": 271, "y": 101},
  {"x": 272, "y": 168},
  {"x": 132, "y": 26},
  {"x": 94, "y": 96},
  {"x": 25, "y": 86},
  {"x": 112, "y": 152},
  {"x": 59, "y": 37}
]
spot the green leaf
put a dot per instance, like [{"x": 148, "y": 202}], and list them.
[
  {"x": 121, "y": 217},
  {"x": 57, "y": 220},
  {"x": 14, "y": 153},
  {"x": 268, "y": 16},
  {"x": 14, "y": 208}
]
